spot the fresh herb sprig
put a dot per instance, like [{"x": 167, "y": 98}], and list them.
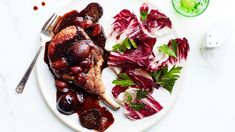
[
  {"x": 167, "y": 50},
  {"x": 144, "y": 9},
  {"x": 124, "y": 45},
  {"x": 166, "y": 78},
  {"x": 141, "y": 94},
  {"x": 123, "y": 80},
  {"x": 174, "y": 46},
  {"x": 136, "y": 105},
  {"x": 143, "y": 15}
]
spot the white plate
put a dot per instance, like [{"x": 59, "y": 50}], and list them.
[{"x": 121, "y": 123}]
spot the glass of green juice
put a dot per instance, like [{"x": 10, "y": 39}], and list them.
[{"x": 190, "y": 8}]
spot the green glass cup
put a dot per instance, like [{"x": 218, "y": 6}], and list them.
[{"x": 190, "y": 8}]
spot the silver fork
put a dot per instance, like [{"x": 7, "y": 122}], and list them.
[{"x": 46, "y": 34}]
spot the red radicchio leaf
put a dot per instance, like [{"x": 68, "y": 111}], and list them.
[
  {"x": 134, "y": 58},
  {"x": 151, "y": 107},
  {"x": 141, "y": 57},
  {"x": 141, "y": 81},
  {"x": 182, "y": 54},
  {"x": 122, "y": 20},
  {"x": 144, "y": 7},
  {"x": 127, "y": 22},
  {"x": 117, "y": 90},
  {"x": 182, "y": 50},
  {"x": 156, "y": 19},
  {"x": 155, "y": 64}
]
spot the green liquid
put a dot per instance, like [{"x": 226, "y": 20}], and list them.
[
  {"x": 188, "y": 4},
  {"x": 190, "y": 8}
]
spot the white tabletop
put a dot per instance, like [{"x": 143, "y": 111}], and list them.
[{"x": 206, "y": 103}]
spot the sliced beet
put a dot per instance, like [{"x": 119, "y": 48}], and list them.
[
  {"x": 93, "y": 10},
  {"x": 91, "y": 119}
]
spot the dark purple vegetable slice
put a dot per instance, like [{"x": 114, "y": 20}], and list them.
[{"x": 90, "y": 119}]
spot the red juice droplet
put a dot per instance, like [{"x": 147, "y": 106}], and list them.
[
  {"x": 35, "y": 8},
  {"x": 43, "y": 3}
]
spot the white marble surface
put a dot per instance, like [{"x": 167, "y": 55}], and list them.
[{"x": 206, "y": 103}]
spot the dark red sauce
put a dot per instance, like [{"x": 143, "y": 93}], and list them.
[
  {"x": 35, "y": 8},
  {"x": 84, "y": 103},
  {"x": 71, "y": 98},
  {"x": 43, "y": 3},
  {"x": 67, "y": 20}
]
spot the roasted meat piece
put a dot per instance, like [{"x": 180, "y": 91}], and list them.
[{"x": 73, "y": 57}]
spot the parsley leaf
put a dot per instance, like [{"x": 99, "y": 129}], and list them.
[
  {"x": 167, "y": 50},
  {"x": 141, "y": 94},
  {"x": 119, "y": 47},
  {"x": 166, "y": 78},
  {"x": 174, "y": 46},
  {"x": 124, "y": 45},
  {"x": 127, "y": 43},
  {"x": 123, "y": 83},
  {"x": 123, "y": 80},
  {"x": 133, "y": 43},
  {"x": 116, "y": 47},
  {"x": 158, "y": 74},
  {"x": 143, "y": 15},
  {"x": 129, "y": 97},
  {"x": 137, "y": 106}
]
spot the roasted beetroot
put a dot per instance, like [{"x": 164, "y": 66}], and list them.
[
  {"x": 93, "y": 10},
  {"x": 78, "y": 51},
  {"x": 67, "y": 103},
  {"x": 90, "y": 119}
]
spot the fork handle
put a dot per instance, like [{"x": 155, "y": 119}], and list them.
[{"x": 22, "y": 83}]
